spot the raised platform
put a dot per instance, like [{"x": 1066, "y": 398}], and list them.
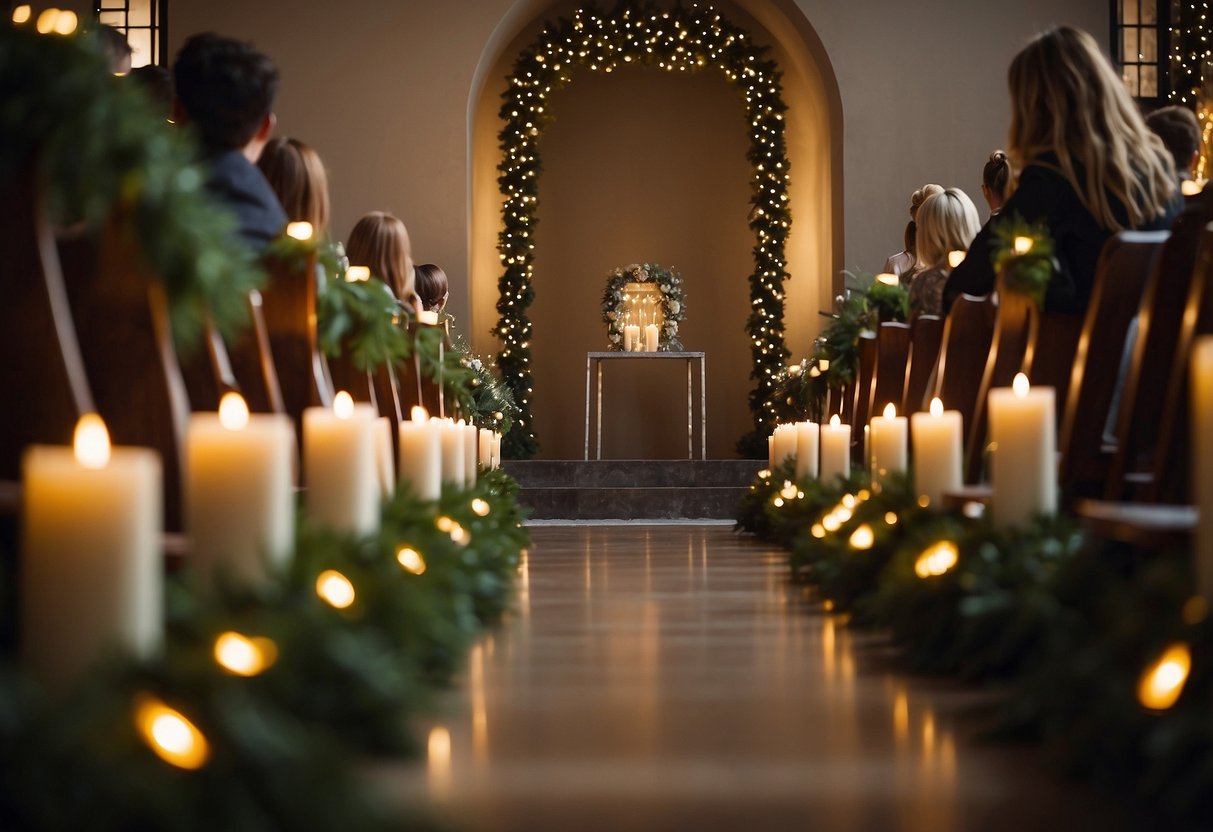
[{"x": 664, "y": 489}]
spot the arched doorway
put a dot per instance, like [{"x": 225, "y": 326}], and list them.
[{"x": 676, "y": 193}]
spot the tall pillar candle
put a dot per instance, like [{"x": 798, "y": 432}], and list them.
[
  {"x": 470, "y": 440},
  {"x": 785, "y": 444},
  {"x": 1202, "y": 461},
  {"x": 835, "y": 450},
  {"x": 631, "y": 338},
  {"x": 485, "y": 449},
  {"x": 652, "y": 338},
  {"x": 421, "y": 456},
  {"x": 91, "y": 577},
  {"x": 889, "y": 438},
  {"x": 807, "y": 441},
  {"x": 385, "y": 467},
  {"x": 496, "y": 450},
  {"x": 771, "y": 452},
  {"x": 339, "y": 466},
  {"x": 1023, "y": 467},
  {"x": 937, "y": 438},
  {"x": 239, "y": 492},
  {"x": 451, "y": 437}
]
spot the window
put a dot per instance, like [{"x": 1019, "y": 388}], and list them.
[
  {"x": 143, "y": 23},
  {"x": 1141, "y": 44}
]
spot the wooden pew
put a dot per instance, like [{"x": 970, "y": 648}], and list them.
[
  {"x": 892, "y": 358},
  {"x": 864, "y": 377},
  {"x": 968, "y": 331},
  {"x": 252, "y": 362},
  {"x": 926, "y": 337}
]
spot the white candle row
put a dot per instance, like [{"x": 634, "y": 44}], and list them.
[{"x": 633, "y": 342}]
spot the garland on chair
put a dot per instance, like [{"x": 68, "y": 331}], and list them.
[{"x": 678, "y": 39}]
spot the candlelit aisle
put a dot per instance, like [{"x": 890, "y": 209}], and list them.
[{"x": 669, "y": 677}]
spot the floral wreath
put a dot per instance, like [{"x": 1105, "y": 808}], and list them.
[{"x": 673, "y": 302}]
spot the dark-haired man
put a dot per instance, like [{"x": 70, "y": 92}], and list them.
[
  {"x": 1180, "y": 132},
  {"x": 225, "y": 91}
]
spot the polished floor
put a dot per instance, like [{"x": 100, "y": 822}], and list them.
[{"x": 669, "y": 678}]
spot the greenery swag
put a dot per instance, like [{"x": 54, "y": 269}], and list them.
[
  {"x": 675, "y": 40},
  {"x": 673, "y": 303}
]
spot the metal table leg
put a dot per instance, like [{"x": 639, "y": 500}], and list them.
[
  {"x": 703, "y": 406},
  {"x": 599, "y": 451},
  {"x": 588, "y": 360}
]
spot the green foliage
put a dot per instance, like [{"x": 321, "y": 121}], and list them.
[
  {"x": 363, "y": 317},
  {"x": 101, "y": 154},
  {"x": 491, "y": 403},
  {"x": 673, "y": 303},
  {"x": 1029, "y": 271},
  {"x": 649, "y": 35}
]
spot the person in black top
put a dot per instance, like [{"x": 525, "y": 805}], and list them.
[
  {"x": 1180, "y": 132},
  {"x": 225, "y": 91},
  {"x": 1088, "y": 165}
]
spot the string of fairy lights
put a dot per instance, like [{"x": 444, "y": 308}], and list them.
[
  {"x": 673, "y": 40},
  {"x": 1191, "y": 51}
]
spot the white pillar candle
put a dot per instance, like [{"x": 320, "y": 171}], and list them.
[
  {"x": 937, "y": 438},
  {"x": 652, "y": 338},
  {"x": 889, "y": 442},
  {"x": 496, "y": 450},
  {"x": 835, "y": 450},
  {"x": 421, "y": 456},
  {"x": 451, "y": 437},
  {"x": 239, "y": 492},
  {"x": 631, "y": 338},
  {"x": 486, "y": 449},
  {"x": 384, "y": 466},
  {"x": 771, "y": 452},
  {"x": 91, "y": 577},
  {"x": 339, "y": 466},
  {"x": 1202, "y": 461},
  {"x": 469, "y": 453},
  {"x": 807, "y": 440},
  {"x": 785, "y": 444},
  {"x": 1023, "y": 467}
]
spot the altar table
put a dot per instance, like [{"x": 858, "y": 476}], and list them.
[{"x": 593, "y": 393}]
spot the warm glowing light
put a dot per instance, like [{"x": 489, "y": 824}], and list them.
[
  {"x": 427, "y": 316},
  {"x": 936, "y": 559},
  {"x": 890, "y": 411},
  {"x": 955, "y": 258},
  {"x": 1020, "y": 385},
  {"x": 65, "y": 23},
  {"x": 888, "y": 279},
  {"x": 973, "y": 509},
  {"x": 765, "y": 473},
  {"x": 843, "y": 514},
  {"x": 1163, "y": 681},
  {"x": 46, "y": 21},
  {"x": 335, "y": 588},
  {"x": 233, "y": 411},
  {"x": 923, "y": 501},
  {"x": 480, "y": 507},
  {"x": 299, "y": 230},
  {"x": 863, "y": 495},
  {"x": 419, "y": 414},
  {"x": 848, "y": 501},
  {"x": 444, "y": 524},
  {"x": 831, "y": 523},
  {"x": 343, "y": 405},
  {"x": 788, "y": 492},
  {"x": 244, "y": 656},
  {"x": 818, "y": 531},
  {"x": 835, "y": 421},
  {"x": 22, "y": 13},
  {"x": 357, "y": 274},
  {"x": 92, "y": 442},
  {"x": 936, "y": 407},
  {"x": 777, "y": 502},
  {"x": 167, "y": 732},
  {"x": 1187, "y": 187},
  {"x": 411, "y": 560},
  {"x": 1023, "y": 245},
  {"x": 794, "y": 369},
  {"x": 890, "y": 518},
  {"x": 862, "y": 538},
  {"x": 823, "y": 364}
]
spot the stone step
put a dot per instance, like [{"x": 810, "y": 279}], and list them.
[
  {"x": 634, "y": 473},
  {"x": 700, "y": 503}
]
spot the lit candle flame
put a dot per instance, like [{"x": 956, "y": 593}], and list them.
[
  {"x": 848, "y": 500},
  {"x": 955, "y": 258},
  {"x": 862, "y": 538},
  {"x": 335, "y": 588},
  {"x": 22, "y": 13},
  {"x": 419, "y": 414},
  {"x": 1023, "y": 245},
  {"x": 299, "y": 230},
  {"x": 244, "y": 656},
  {"x": 936, "y": 559},
  {"x": 818, "y": 530},
  {"x": 356, "y": 274},
  {"x": 92, "y": 442},
  {"x": 936, "y": 407},
  {"x": 890, "y": 411},
  {"x": 1020, "y": 385},
  {"x": 343, "y": 405},
  {"x": 168, "y": 733},
  {"x": 888, "y": 279},
  {"x": 1163, "y": 681},
  {"x": 411, "y": 560},
  {"x": 233, "y": 411},
  {"x": 835, "y": 421},
  {"x": 65, "y": 23}
]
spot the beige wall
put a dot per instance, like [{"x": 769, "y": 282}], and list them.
[{"x": 390, "y": 94}]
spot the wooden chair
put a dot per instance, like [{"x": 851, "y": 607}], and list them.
[
  {"x": 252, "y": 362},
  {"x": 967, "y": 333},
  {"x": 1049, "y": 359},
  {"x": 1125, "y": 265},
  {"x": 926, "y": 336},
  {"x": 864, "y": 378},
  {"x": 1160, "y": 319},
  {"x": 207, "y": 371},
  {"x": 892, "y": 358}
]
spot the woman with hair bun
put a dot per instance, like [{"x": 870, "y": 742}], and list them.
[
  {"x": 1088, "y": 165},
  {"x": 904, "y": 262},
  {"x": 995, "y": 177}
]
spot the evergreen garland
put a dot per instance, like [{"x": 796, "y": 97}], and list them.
[
  {"x": 678, "y": 39},
  {"x": 673, "y": 303}
]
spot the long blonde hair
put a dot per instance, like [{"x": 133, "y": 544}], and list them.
[
  {"x": 380, "y": 242},
  {"x": 1067, "y": 99},
  {"x": 947, "y": 221}
]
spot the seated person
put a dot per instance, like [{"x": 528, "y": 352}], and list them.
[
  {"x": 380, "y": 242},
  {"x": 1102, "y": 171},
  {"x": 297, "y": 176},
  {"x": 1180, "y": 134},
  {"x": 225, "y": 91},
  {"x": 995, "y": 177},
  {"x": 430, "y": 284},
  {"x": 904, "y": 262},
  {"x": 947, "y": 222}
]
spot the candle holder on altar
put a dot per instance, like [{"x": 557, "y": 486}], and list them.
[
  {"x": 648, "y": 298},
  {"x": 642, "y": 305}
]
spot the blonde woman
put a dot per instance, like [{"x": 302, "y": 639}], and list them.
[
  {"x": 296, "y": 174},
  {"x": 1088, "y": 165},
  {"x": 380, "y": 242},
  {"x": 947, "y": 222},
  {"x": 904, "y": 262}
]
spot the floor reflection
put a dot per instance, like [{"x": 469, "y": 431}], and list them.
[{"x": 672, "y": 678}]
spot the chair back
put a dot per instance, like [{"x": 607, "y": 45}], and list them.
[
  {"x": 926, "y": 336},
  {"x": 864, "y": 376},
  {"x": 892, "y": 357},
  {"x": 967, "y": 333}
]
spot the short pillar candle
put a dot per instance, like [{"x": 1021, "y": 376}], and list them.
[
  {"x": 421, "y": 456},
  {"x": 835, "y": 450},
  {"x": 807, "y": 441},
  {"x": 339, "y": 466},
  {"x": 937, "y": 438},
  {"x": 889, "y": 438},
  {"x": 1023, "y": 466}
]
